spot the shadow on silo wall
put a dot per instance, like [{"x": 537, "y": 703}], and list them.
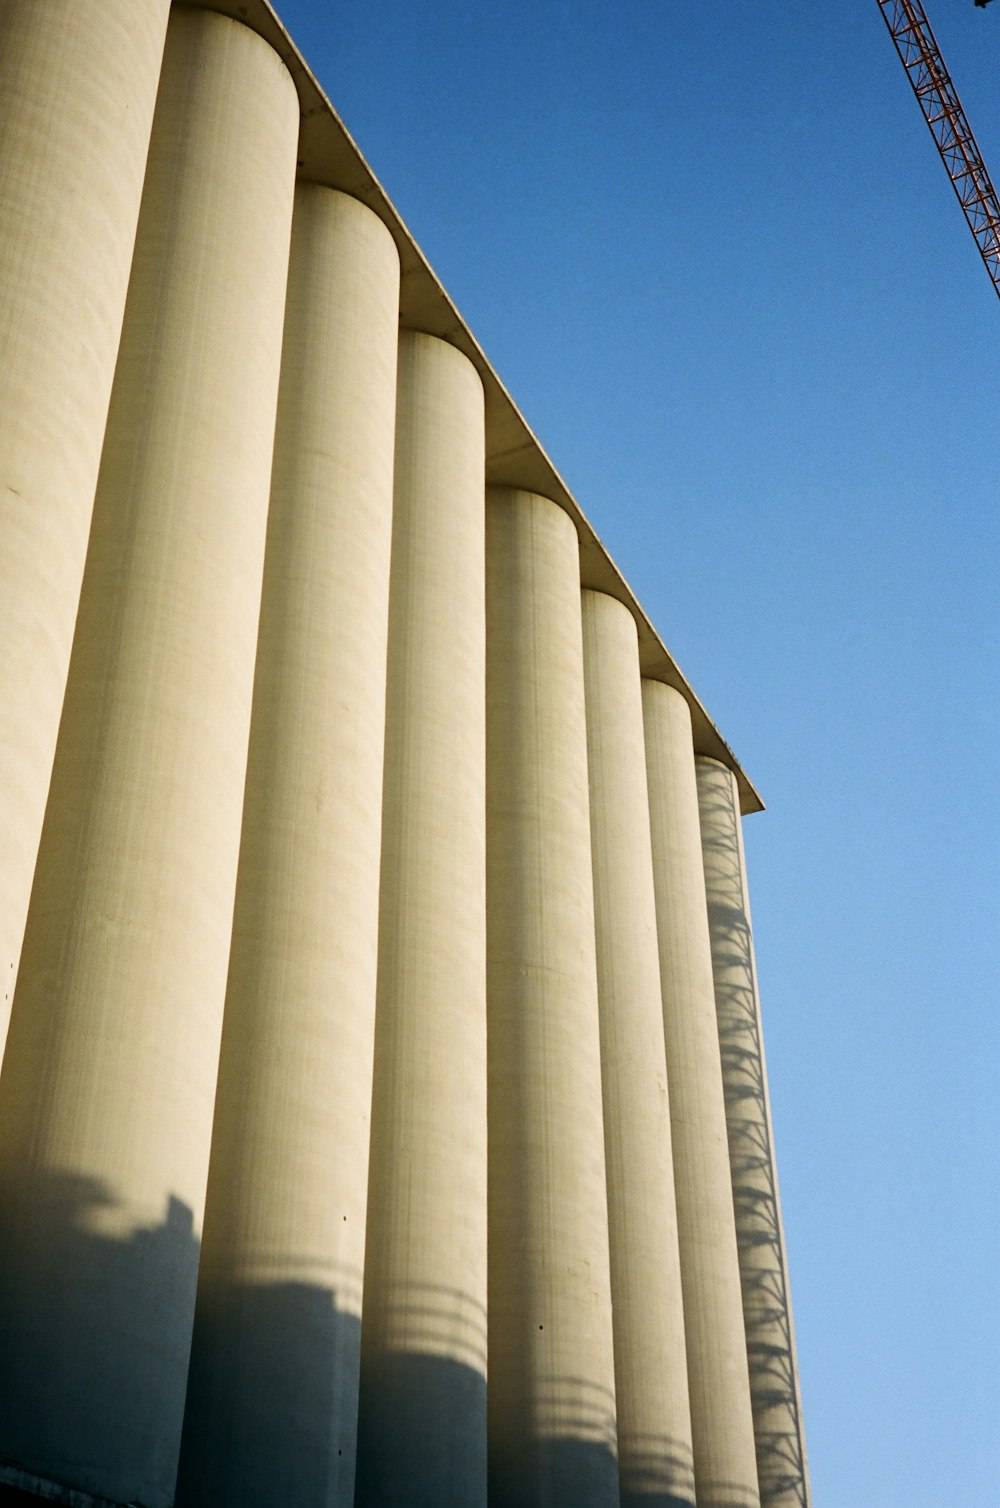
[
  {"x": 781, "y": 1462},
  {"x": 94, "y": 1335},
  {"x": 87, "y": 1409},
  {"x": 412, "y": 1450},
  {"x": 272, "y": 1399},
  {"x": 655, "y": 1465},
  {"x": 574, "y": 1473},
  {"x": 574, "y": 1465}
]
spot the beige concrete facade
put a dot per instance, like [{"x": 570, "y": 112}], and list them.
[
  {"x": 422, "y": 1433},
  {"x": 654, "y": 1416},
  {"x": 370, "y": 768},
  {"x": 77, "y": 86},
  {"x": 514, "y": 456},
  {"x": 552, "y": 1384},
  {"x": 774, "y": 1388},
  {"x": 722, "y": 1423},
  {"x": 273, "y": 1391},
  {"x": 108, "y": 1085}
]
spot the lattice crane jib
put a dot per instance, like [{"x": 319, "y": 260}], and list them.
[{"x": 942, "y": 109}]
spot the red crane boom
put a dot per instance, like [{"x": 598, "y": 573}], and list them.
[{"x": 921, "y": 57}]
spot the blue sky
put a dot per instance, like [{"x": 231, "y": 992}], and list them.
[{"x": 712, "y": 252}]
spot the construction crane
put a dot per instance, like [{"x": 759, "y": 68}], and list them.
[{"x": 921, "y": 57}]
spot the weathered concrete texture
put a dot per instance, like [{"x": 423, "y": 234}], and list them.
[
  {"x": 654, "y": 1416},
  {"x": 722, "y": 1423},
  {"x": 289, "y": 1172},
  {"x": 77, "y": 86},
  {"x": 425, "y": 1268},
  {"x": 109, "y": 1080},
  {"x": 552, "y": 1400},
  {"x": 774, "y": 1386}
]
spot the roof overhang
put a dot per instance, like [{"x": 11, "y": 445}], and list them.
[{"x": 514, "y": 457}]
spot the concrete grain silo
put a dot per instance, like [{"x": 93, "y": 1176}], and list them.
[{"x": 383, "y": 1115}]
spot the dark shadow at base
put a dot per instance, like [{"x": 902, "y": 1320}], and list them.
[
  {"x": 271, "y": 1412},
  {"x": 95, "y": 1337},
  {"x": 547, "y": 1473},
  {"x": 655, "y": 1472},
  {"x": 16, "y": 1497},
  {"x": 421, "y": 1433},
  {"x": 43, "y": 1491},
  {"x": 655, "y": 1500}
]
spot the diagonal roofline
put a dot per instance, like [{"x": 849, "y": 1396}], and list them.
[{"x": 329, "y": 155}]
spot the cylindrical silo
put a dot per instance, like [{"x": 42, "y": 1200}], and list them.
[
  {"x": 721, "y": 1419},
  {"x": 654, "y": 1415},
  {"x": 422, "y": 1421},
  {"x": 77, "y": 86},
  {"x": 108, "y": 1085},
  {"x": 273, "y": 1391},
  {"x": 552, "y": 1398},
  {"x": 774, "y": 1383}
]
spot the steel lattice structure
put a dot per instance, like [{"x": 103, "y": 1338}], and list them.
[{"x": 921, "y": 57}]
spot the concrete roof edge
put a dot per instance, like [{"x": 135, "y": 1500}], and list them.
[{"x": 329, "y": 155}]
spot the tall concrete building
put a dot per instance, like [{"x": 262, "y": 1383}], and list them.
[{"x": 383, "y": 1115}]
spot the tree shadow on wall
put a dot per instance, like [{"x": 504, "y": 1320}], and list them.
[
  {"x": 271, "y": 1409},
  {"x": 766, "y": 1303},
  {"x": 92, "y": 1394},
  {"x": 422, "y": 1418},
  {"x": 573, "y": 1464},
  {"x": 654, "y": 1464},
  {"x": 567, "y": 1472},
  {"x": 94, "y": 1335}
]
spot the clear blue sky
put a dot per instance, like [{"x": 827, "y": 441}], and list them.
[{"x": 714, "y": 255}]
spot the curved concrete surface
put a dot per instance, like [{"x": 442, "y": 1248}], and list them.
[
  {"x": 77, "y": 87},
  {"x": 721, "y": 1419},
  {"x": 552, "y": 1382},
  {"x": 273, "y": 1392},
  {"x": 654, "y": 1415},
  {"x": 774, "y": 1383},
  {"x": 108, "y": 1085},
  {"x": 422, "y": 1424}
]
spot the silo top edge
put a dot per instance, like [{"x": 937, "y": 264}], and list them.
[{"x": 514, "y": 457}]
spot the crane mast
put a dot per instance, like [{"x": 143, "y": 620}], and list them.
[{"x": 921, "y": 57}]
